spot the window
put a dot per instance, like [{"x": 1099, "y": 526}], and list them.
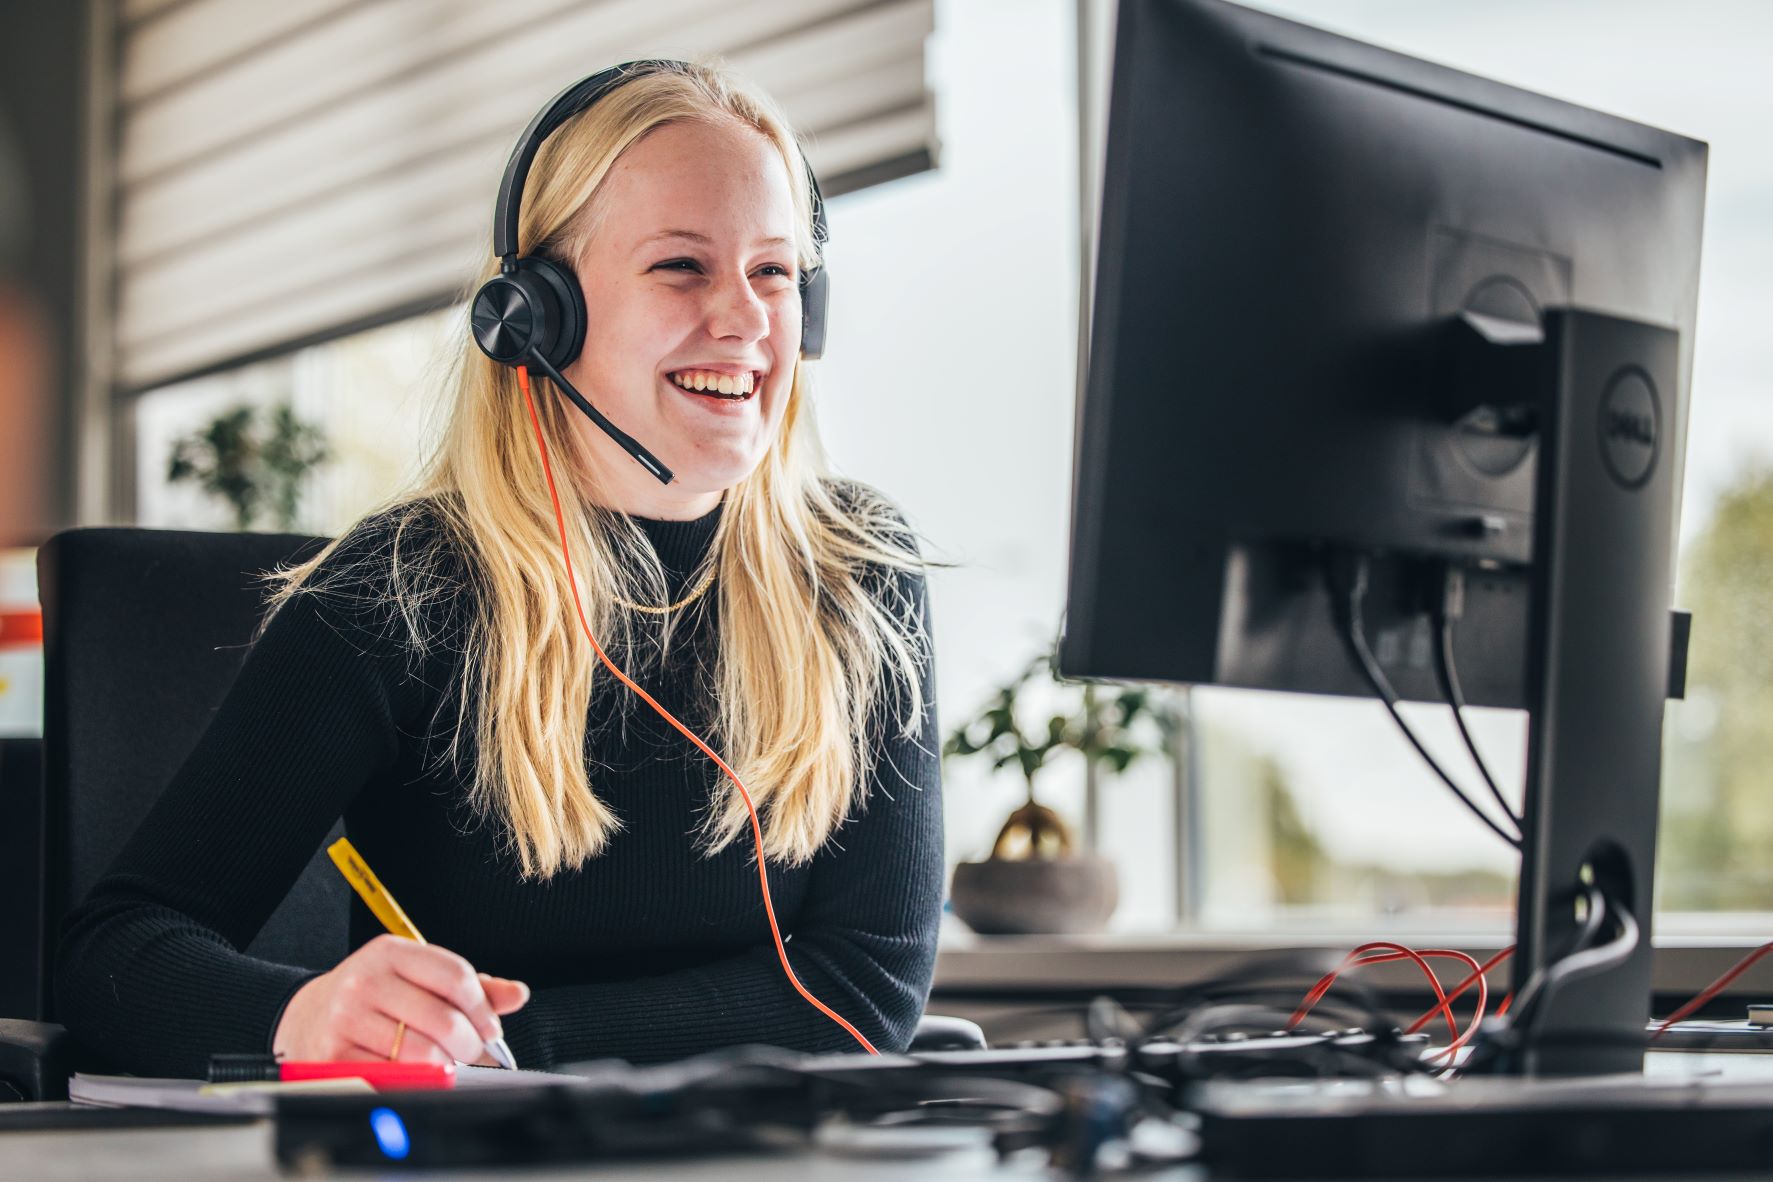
[{"x": 374, "y": 396}]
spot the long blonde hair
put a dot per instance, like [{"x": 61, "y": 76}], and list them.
[{"x": 817, "y": 633}]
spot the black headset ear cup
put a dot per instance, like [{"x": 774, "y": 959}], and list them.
[
  {"x": 536, "y": 308},
  {"x": 566, "y": 312},
  {"x": 815, "y": 304},
  {"x": 505, "y": 319}
]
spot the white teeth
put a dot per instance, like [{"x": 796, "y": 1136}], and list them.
[{"x": 740, "y": 386}]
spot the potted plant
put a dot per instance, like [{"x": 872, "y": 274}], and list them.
[
  {"x": 1038, "y": 877},
  {"x": 249, "y": 467}
]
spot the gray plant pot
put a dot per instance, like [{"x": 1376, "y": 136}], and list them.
[{"x": 1072, "y": 894}]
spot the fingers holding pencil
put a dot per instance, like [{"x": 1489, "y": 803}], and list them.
[
  {"x": 447, "y": 976},
  {"x": 450, "y": 1011},
  {"x": 451, "y": 977}
]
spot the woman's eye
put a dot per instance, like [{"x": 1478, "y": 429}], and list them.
[{"x": 771, "y": 269}]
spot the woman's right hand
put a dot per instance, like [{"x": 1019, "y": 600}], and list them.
[{"x": 353, "y": 1011}]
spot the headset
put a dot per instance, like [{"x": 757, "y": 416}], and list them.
[{"x": 532, "y": 313}]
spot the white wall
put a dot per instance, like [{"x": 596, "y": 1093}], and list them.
[{"x": 961, "y": 282}]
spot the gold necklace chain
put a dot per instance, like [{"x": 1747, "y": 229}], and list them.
[{"x": 651, "y": 610}]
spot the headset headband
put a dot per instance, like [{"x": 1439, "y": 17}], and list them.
[{"x": 566, "y": 104}]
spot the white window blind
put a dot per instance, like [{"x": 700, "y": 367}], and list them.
[{"x": 289, "y": 171}]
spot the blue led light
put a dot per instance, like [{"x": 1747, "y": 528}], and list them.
[{"x": 390, "y": 1132}]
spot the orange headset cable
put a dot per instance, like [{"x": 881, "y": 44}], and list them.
[{"x": 756, "y": 827}]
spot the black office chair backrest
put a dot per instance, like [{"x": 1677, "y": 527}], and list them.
[{"x": 143, "y": 633}]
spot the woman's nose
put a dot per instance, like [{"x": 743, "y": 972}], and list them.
[{"x": 737, "y": 311}]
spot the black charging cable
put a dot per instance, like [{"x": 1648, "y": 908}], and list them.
[
  {"x": 1449, "y": 606},
  {"x": 1502, "y": 1048},
  {"x": 1354, "y": 634},
  {"x": 1586, "y": 963},
  {"x": 1544, "y": 981}
]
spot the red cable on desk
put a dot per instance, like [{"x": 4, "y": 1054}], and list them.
[
  {"x": 1712, "y": 990},
  {"x": 1453, "y": 995},
  {"x": 1354, "y": 960}
]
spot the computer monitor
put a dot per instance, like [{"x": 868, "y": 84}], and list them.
[{"x": 1372, "y": 337}]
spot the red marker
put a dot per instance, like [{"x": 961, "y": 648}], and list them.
[{"x": 383, "y": 1077}]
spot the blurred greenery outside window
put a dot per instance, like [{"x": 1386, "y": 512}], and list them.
[{"x": 373, "y": 395}]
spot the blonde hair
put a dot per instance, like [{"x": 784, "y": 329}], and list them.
[{"x": 817, "y": 634}]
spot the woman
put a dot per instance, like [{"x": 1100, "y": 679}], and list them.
[{"x": 582, "y": 871}]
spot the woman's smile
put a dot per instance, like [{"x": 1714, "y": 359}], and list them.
[{"x": 713, "y": 402}]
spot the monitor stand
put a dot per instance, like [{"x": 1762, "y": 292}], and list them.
[{"x": 1605, "y": 405}]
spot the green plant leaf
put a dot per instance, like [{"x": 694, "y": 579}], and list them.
[{"x": 230, "y": 459}]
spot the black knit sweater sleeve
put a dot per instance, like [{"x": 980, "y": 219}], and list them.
[
  {"x": 864, "y": 943},
  {"x": 150, "y": 967}
]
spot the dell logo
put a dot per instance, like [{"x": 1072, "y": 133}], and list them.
[{"x": 1629, "y": 427}]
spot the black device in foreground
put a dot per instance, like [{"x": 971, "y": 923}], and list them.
[
  {"x": 1092, "y": 1109},
  {"x": 1070, "y": 1101},
  {"x": 1375, "y": 343}
]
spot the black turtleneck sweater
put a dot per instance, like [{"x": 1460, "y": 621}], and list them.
[{"x": 650, "y": 951}]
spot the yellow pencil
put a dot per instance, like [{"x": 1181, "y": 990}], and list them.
[{"x": 375, "y": 896}]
